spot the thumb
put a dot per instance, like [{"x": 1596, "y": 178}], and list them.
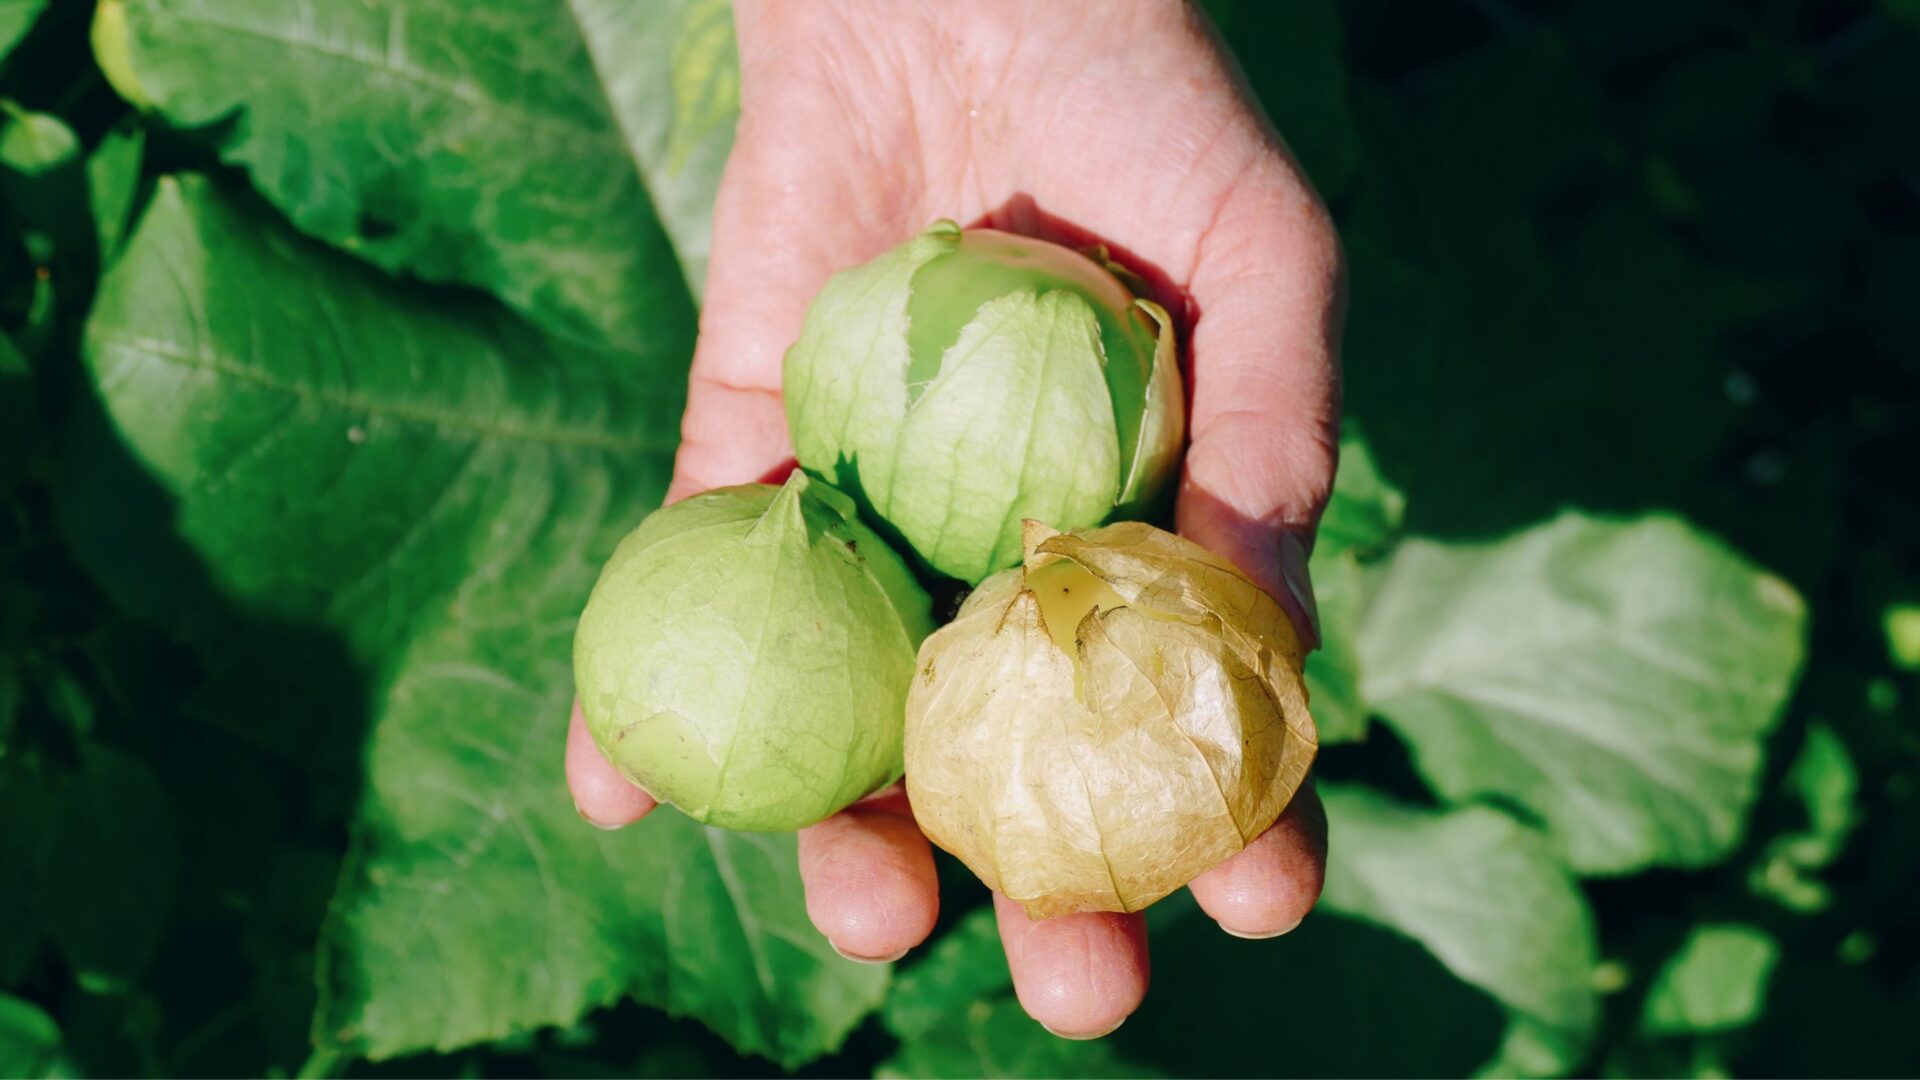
[{"x": 1266, "y": 388}]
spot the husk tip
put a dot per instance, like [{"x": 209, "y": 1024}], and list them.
[{"x": 1033, "y": 533}]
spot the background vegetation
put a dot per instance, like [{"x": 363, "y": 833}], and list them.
[{"x": 341, "y": 341}]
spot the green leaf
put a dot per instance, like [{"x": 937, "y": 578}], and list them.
[
  {"x": 1342, "y": 587},
  {"x": 17, "y": 422},
  {"x": 996, "y": 1038},
  {"x": 672, "y": 77},
  {"x": 40, "y": 160},
  {"x": 426, "y": 478},
  {"x": 557, "y": 917},
  {"x": 1826, "y": 783},
  {"x": 1489, "y": 898},
  {"x": 16, "y": 18},
  {"x": 1715, "y": 982},
  {"x": 955, "y": 1014},
  {"x": 30, "y": 1043},
  {"x": 964, "y": 966},
  {"x": 349, "y": 449},
  {"x": 1361, "y": 521},
  {"x": 1902, "y": 624},
  {"x": 103, "y": 888},
  {"x": 113, "y": 179},
  {"x": 41, "y": 167},
  {"x": 34, "y": 144},
  {"x": 1613, "y": 678},
  {"x": 467, "y": 143},
  {"x": 1365, "y": 511}
]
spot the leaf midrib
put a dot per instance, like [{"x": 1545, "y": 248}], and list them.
[
  {"x": 359, "y": 405},
  {"x": 1443, "y": 677},
  {"x": 554, "y": 125}
]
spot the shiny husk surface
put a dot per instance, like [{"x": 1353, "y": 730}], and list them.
[
  {"x": 1098, "y": 767},
  {"x": 971, "y": 378},
  {"x": 745, "y": 655}
]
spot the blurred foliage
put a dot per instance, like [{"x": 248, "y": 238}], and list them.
[{"x": 329, "y": 375}]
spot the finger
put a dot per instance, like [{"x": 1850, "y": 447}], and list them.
[
  {"x": 871, "y": 887},
  {"x": 1265, "y": 394},
  {"x": 1270, "y": 885},
  {"x": 600, "y": 794},
  {"x": 1079, "y": 975},
  {"x": 790, "y": 211},
  {"x": 728, "y": 435}
]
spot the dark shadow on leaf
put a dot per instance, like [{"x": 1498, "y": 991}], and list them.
[
  {"x": 258, "y": 750},
  {"x": 1333, "y": 998}
]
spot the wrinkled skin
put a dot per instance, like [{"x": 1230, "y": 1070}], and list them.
[{"x": 861, "y": 122}]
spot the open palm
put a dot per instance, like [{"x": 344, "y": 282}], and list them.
[{"x": 1081, "y": 122}]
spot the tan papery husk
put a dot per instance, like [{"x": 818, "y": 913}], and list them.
[{"x": 1179, "y": 735}]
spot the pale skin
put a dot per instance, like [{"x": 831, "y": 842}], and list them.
[{"x": 1119, "y": 121}]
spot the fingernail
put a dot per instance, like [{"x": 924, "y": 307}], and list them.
[
  {"x": 1088, "y": 1037},
  {"x": 590, "y": 821},
  {"x": 867, "y": 959},
  {"x": 1293, "y": 571},
  {"x": 1263, "y": 935}
]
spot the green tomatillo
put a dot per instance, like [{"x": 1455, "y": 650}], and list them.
[
  {"x": 745, "y": 655},
  {"x": 972, "y": 378}
]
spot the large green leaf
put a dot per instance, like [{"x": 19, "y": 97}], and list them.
[
  {"x": 475, "y": 143},
  {"x": 103, "y": 887},
  {"x": 672, "y": 75},
  {"x": 1613, "y": 678},
  {"x": 436, "y": 484},
  {"x": 1488, "y": 897},
  {"x": 346, "y": 448},
  {"x": 30, "y": 1043}
]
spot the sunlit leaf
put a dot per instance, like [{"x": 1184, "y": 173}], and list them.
[
  {"x": 432, "y": 485},
  {"x": 1716, "y": 981},
  {"x": 1614, "y": 678},
  {"x": 468, "y": 144},
  {"x": 1489, "y": 898},
  {"x": 1361, "y": 522}
]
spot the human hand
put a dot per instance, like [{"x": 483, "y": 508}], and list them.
[{"x": 1078, "y": 122}]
